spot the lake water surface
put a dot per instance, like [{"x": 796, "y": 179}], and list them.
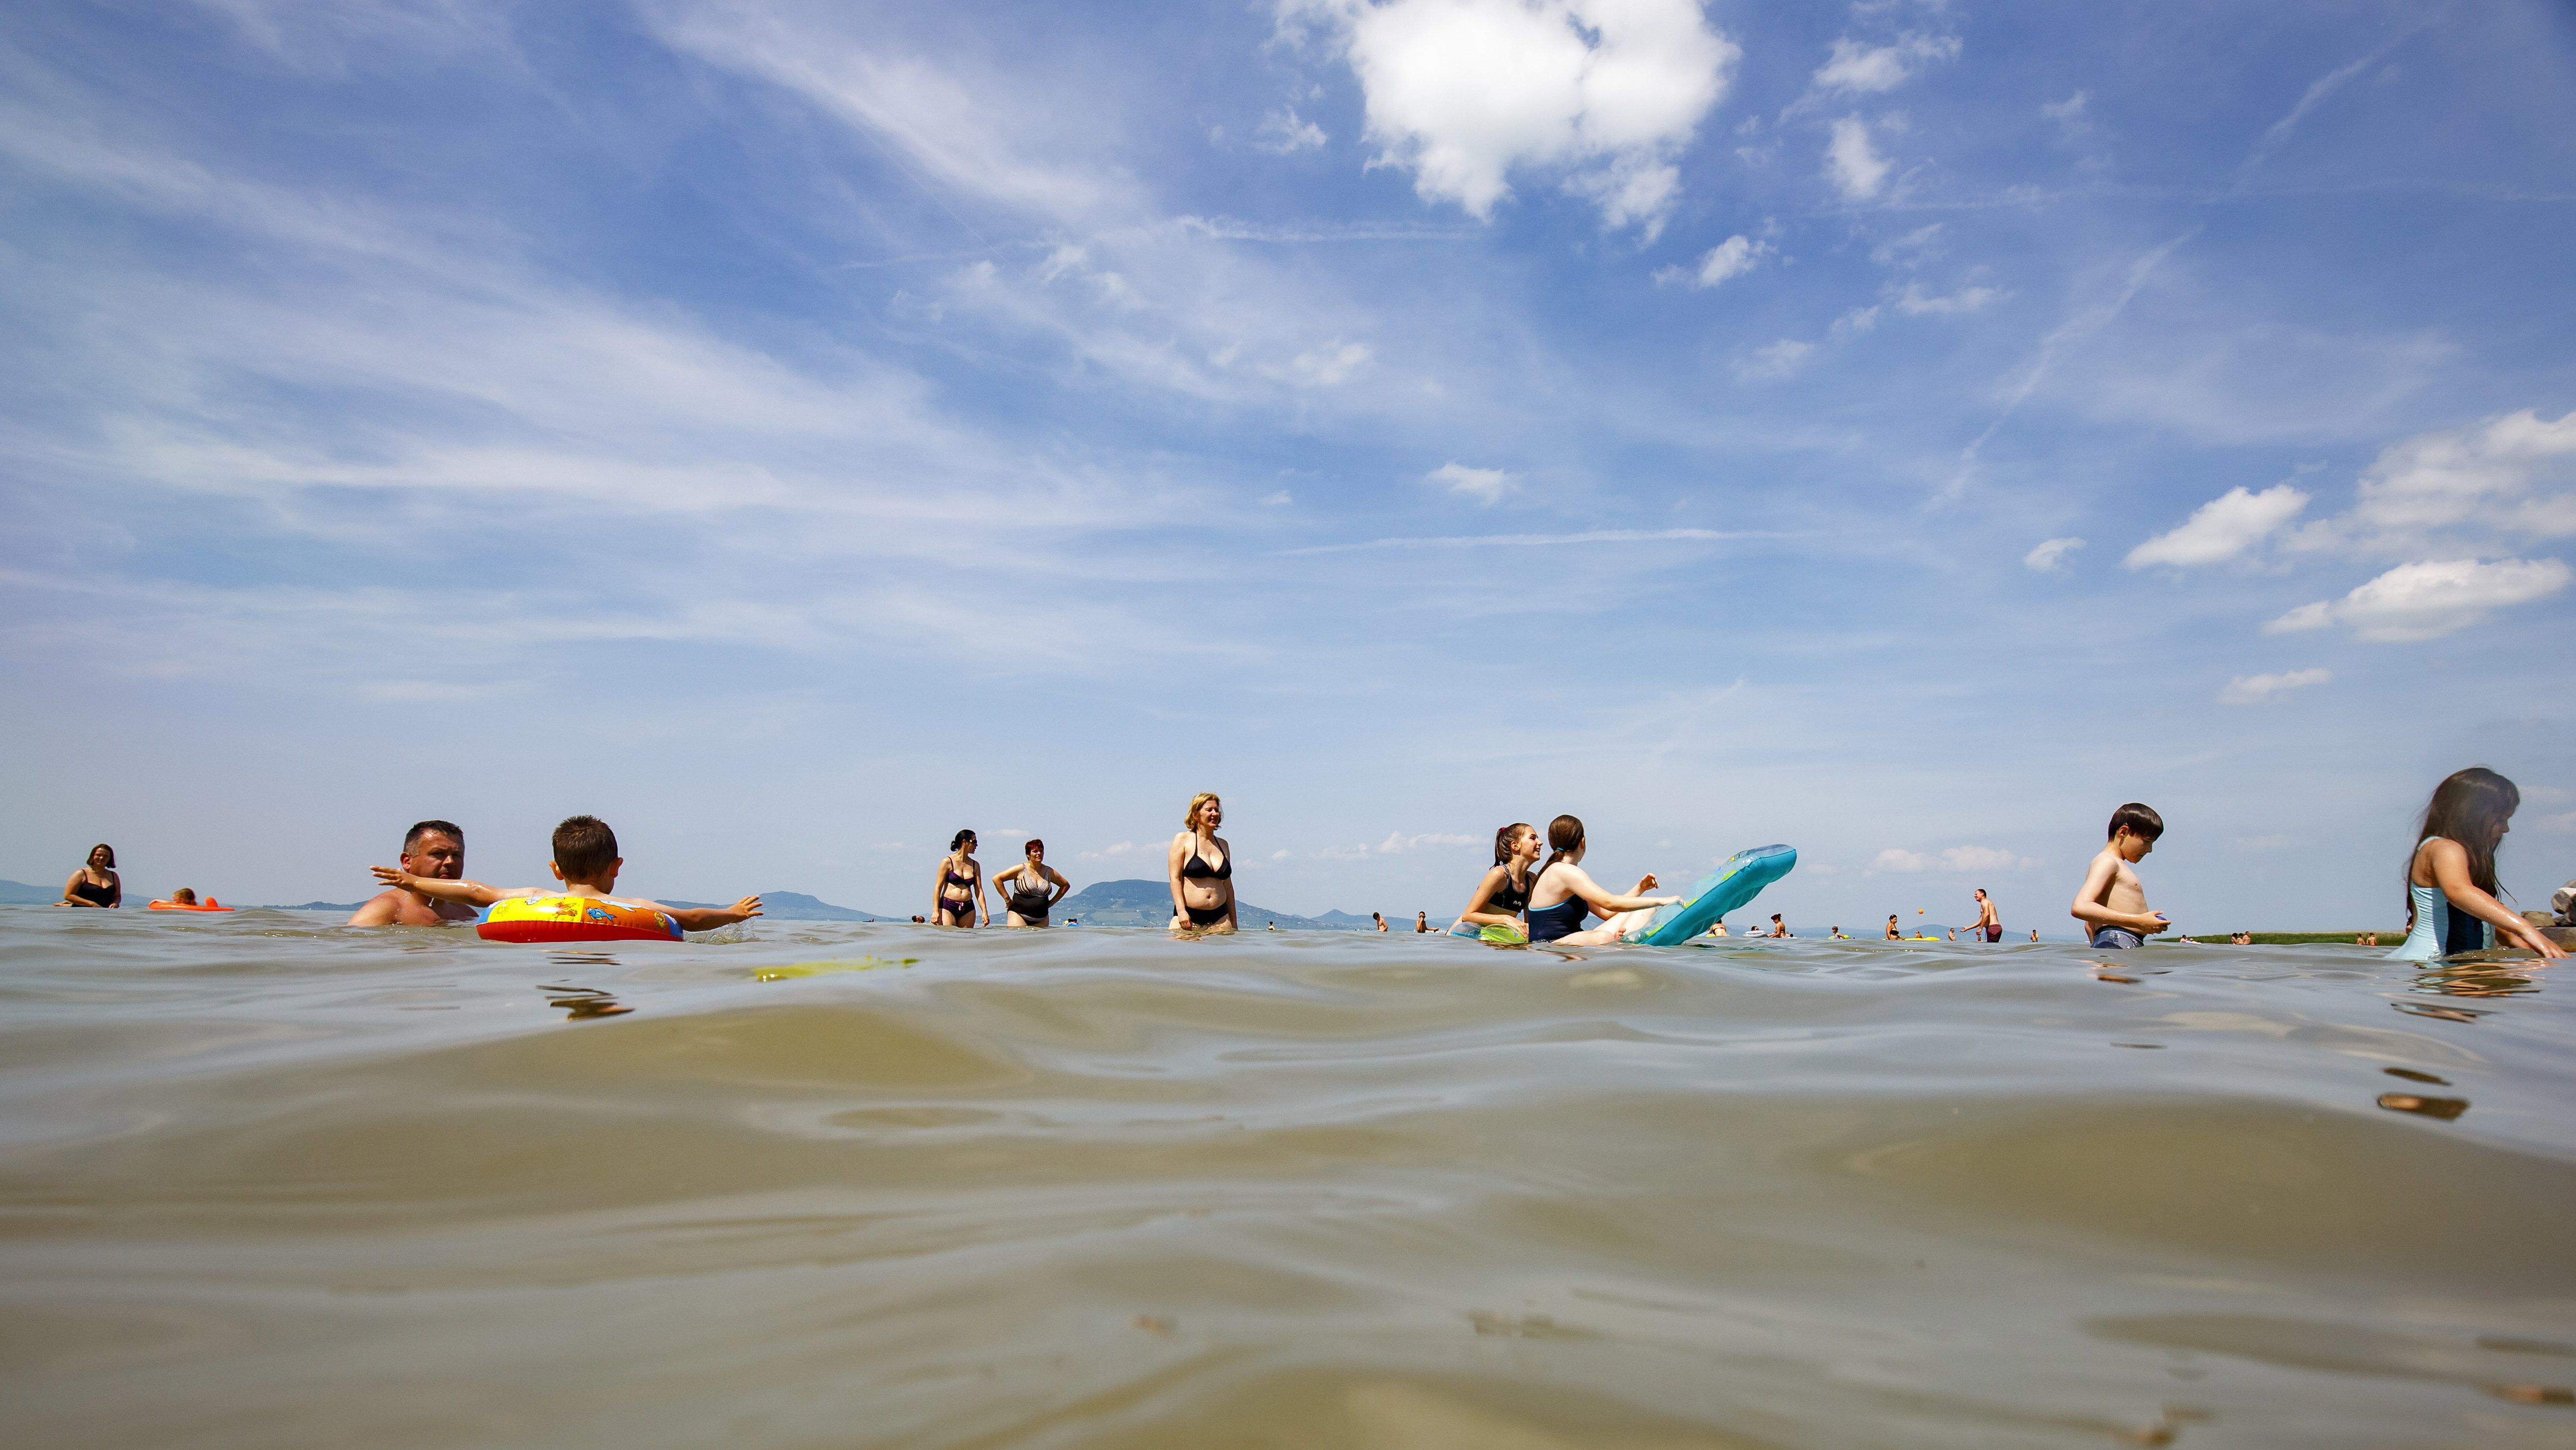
[{"x": 268, "y": 1182}]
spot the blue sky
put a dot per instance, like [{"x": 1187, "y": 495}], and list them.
[{"x": 794, "y": 431}]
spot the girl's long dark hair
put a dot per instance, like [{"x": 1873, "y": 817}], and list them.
[
  {"x": 2466, "y": 807},
  {"x": 1503, "y": 840},
  {"x": 1564, "y": 834},
  {"x": 960, "y": 839}
]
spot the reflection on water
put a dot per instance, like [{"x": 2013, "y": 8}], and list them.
[
  {"x": 1095, "y": 1189},
  {"x": 2443, "y": 1108},
  {"x": 581, "y": 1002},
  {"x": 2476, "y": 979}
]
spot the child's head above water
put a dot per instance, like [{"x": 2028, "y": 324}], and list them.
[
  {"x": 184, "y": 896},
  {"x": 586, "y": 852},
  {"x": 2140, "y": 824}
]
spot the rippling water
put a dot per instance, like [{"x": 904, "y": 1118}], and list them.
[{"x": 270, "y": 1182}]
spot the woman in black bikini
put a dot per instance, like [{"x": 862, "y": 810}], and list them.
[
  {"x": 959, "y": 873},
  {"x": 95, "y": 884},
  {"x": 1030, "y": 890},
  {"x": 1504, "y": 893},
  {"x": 1202, "y": 869}
]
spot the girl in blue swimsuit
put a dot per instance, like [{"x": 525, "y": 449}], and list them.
[{"x": 2451, "y": 879}]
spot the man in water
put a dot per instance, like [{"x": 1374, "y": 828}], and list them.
[
  {"x": 1989, "y": 925},
  {"x": 434, "y": 850}
]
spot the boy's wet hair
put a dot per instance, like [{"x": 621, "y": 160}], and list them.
[
  {"x": 2142, "y": 821},
  {"x": 584, "y": 846},
  {"x": 449, "y": 829},
  {"x": 184, "y": 896}
]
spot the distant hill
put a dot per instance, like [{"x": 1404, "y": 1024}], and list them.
[
  {"x": 797, "y": 906},
  {"x": 1149, "y": 903},
  {"x": 19, "y": 893}
]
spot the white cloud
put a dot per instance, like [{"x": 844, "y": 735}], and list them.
[
  {"x": 1279, "y": 500},
  {"x": 2511, "y": 476},
  {"x": 1464, "y": 92},
  {"x": 2429, "y": 600},
  {"x": 1915, "y": 302},
  {"x": 2050, "y": 555},
  {"x": 2070, "y": 109},
  {"x": 2227, "y": 527},
  {"x": 1733, "y": 257},
  {"x": 1778, "y": 360},
  {"x": 2256, "y": 689},
  {"x": 1484, "y": 485},
  {"x": 1397, "y": 841},
  {"x": 1955, "y": 860},
  {"x": 1908, "y": 250},
  {"x": 1328, "y": 365},
  {"x": 1111, "y": 853},
  {"x": 1854, "y": 67},
  {"x": 1851, "y": 164},
  {"x": 1282, "y": 132}
]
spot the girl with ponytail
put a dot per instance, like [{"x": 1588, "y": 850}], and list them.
[{"x": 1561, "y": 894}]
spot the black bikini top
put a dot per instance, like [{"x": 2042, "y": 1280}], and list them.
[
  {"x": 1195, "y": 867},
  {"x": 1510, "y": 899}
]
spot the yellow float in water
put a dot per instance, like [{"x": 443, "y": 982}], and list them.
[{"x": 575, "y": 918}]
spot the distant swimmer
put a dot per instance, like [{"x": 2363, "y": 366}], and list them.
[
  {"x": 1892, "y": 933},
  {"x": 1201, "y": 869},
  {"x": 2034, "y": 933},
  {"x": 432, "y": 851},
  {"x": 96, "y": 883},
  {"x": 1717, "y": 927},
  {"x": 1031, "y": 889},
  {"x": 1503, "y": 892},
  {"x": 1779, "y": 927},
  {"x": 1987, "y": 921},
  {"x": 2112, "y": 904},
  {"x": 1838, "y": 935},
  {"x": 1422, "y": 923},
  {"x": 958, "y": 899},
  {"x": 1380, "y": 920},
  {"x": 2451, "y": 877},
  {"x": 1562, "y": 894},
  {"x": 587, "y": 863}
]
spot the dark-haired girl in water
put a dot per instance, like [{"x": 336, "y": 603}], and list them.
[
  {"x": 1504, "y": 893},
  {"x": 1561, "y": 894},
  {"x": 959, "y": 896},
  {"x": 1201, "y": 868},
  {"x": 2451, "y": 879}
]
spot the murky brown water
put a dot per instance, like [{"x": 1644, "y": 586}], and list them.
[{"x": 272, "y": 1183}]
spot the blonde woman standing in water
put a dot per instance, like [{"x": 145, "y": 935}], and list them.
[{"x": 1201, "y": 869}]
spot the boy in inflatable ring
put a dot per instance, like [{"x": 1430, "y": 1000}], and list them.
[{"x": 587, "y": 863}]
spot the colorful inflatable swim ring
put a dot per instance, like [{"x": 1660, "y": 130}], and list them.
[
  {"x": 574, "y": 918},
  {"x": 209, "y": 904}
]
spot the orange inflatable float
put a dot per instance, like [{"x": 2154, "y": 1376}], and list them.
[
  {"x": 209, "y": 904},
  {"x": 574, "y": 918}
]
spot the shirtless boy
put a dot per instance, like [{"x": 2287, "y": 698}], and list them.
[
  {"x": 587, "y": 863},
  {"x": 432, "y": 851},
  {"x": 2112, "y": 905}
]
